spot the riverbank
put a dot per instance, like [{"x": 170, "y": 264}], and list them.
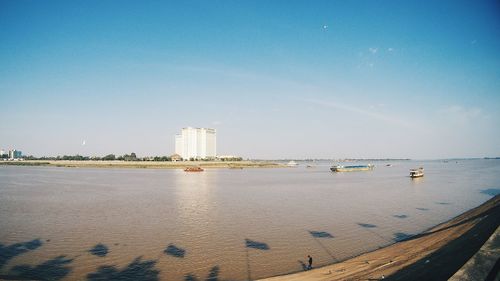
[
  {"x": 144, "y": 164},
  {"x": 433, "y": 255}
]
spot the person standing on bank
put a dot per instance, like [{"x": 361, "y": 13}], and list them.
[{"x": 310, "y": 260}]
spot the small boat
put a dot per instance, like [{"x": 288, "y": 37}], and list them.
[
  {"x": 388, "y": 165},
  {"x": 292, "y": 164},
  {"x": 193, "y": 169},
  {"x": 417, "y": 173},
  {"x": 353, "y": 168}
]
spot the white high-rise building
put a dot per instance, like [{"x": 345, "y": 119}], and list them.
[{"x": 197, "y": 143}]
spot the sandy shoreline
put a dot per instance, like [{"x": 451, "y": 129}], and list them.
[
  {"x": 144, "y": 164},
  {"x": 435, "y": 254}
]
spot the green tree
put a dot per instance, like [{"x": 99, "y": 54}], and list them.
[{"x": 109, "y": 157}]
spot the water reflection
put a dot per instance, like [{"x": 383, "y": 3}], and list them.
[
  {"x": 193, "y": 193},
  {"x": 205, "y": 217}
]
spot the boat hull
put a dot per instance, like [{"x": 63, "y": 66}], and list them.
[
  {"x": 351, "y": 168},
  {"x": 193, "y": 169}
]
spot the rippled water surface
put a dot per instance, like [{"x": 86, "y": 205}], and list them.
[{"x": 133, "y": 224}]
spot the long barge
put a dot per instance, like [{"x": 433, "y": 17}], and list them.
[{"x": 352, "y": 168}]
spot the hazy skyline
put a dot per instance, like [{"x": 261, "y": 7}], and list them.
[{"x": 277, "y": 79}]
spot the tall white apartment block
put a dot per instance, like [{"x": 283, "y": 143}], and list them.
[{"x": 198, "y": 143}]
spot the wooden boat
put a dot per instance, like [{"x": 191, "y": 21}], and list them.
[
  {"x": 417, "y": 173},
  {"x": 353, "y": 168},
  {"x": 193, "y": 169}
]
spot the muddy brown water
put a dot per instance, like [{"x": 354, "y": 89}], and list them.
[{"x": 220, "y": 224}]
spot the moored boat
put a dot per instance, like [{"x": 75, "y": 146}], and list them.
[
  {"x": 417, "y": 173},
  {"x": 292, "y": 164},
  {"x": 193, "y": 169},
  {"x": 351, "y": 168}
]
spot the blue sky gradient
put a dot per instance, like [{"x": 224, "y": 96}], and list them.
[{"x": 277, "y": 79}]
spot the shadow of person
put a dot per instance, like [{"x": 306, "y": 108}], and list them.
[{"x": 304, "y": 266}]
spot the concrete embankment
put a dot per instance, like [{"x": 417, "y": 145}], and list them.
[{"x": 436, "y": 254}]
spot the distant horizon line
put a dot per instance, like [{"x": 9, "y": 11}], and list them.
[{"x": 291, "y": 158}]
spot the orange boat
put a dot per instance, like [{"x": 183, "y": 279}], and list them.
[{"x": 193, "y": 169}]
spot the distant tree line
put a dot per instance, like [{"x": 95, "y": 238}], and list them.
[
  {"x": 110, "y": 157},
  {"x": 127, "y": 157}
]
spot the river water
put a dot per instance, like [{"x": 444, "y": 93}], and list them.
[{"x": 220, "y": 224}]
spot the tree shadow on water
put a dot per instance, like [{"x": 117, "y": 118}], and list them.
[
  {"x": 54, "y": 269},
  {"x": 9, "y": 252},
  {"x": 252, "y": 244},
  {"x": 318, "y": 236},
  {"x": 401, "y": 236},
  {"x": 491, "y": 191},
  {"x": 190, "y": 277},
  {"x": 256, "y": 245},
  {"x": 370, "y": 227},
  {"x": 401, "y": 216},
  {"x": 443, "y": 203},
  {"x": 136, "y": 270},
  {"x": 213, "y": 275},
  {"x": 175, "y": 251},
  {"x": 367, "y": 225},
  {"x": 99, "y": 250}
]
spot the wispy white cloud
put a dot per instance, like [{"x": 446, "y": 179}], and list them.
[
  {"x": 461, "y": 114},
  {"x": 390, "y": 49},
  {"x": 241, "y": 74},
  {"x": 360, "y": 111},
  {"x": 373, "y": 50}
]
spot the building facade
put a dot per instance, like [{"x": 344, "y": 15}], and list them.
[
  {"x": 14, "y": 154},
  {"x": 197, "y": 143}
]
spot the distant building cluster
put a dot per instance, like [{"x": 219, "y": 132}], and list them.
[
  {"x": 196, "y": 143},
  {"x": 11, "y": 154}
]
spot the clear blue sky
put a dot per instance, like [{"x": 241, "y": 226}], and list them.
[{"x": 277, "y": 79}]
